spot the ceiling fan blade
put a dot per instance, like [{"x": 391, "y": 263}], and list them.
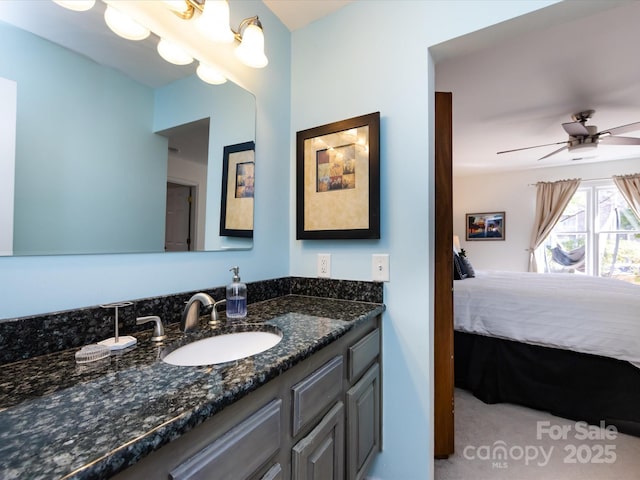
[
  {"x": 575, "y": 129},
  {"x": 528, "y": 148},
  {"x": 554, "y": 152},
  {"x": 616, "y": 140},
  {"x": 622, "y": 129}
]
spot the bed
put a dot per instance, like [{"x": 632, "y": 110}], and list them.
[{"x": 564, "y": 343}]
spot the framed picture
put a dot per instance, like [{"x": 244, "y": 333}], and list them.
[
  {"x": 485, "y": 226},
  {"x": 338, "y": 180},
  {"x": 236, "y": 212}
]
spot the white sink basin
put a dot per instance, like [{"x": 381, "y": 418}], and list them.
[{"x": 223, "y": 348}]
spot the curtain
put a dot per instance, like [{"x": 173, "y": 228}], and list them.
[
  {"x": 629, "y": 186},
  {"x": 551, "y": 200}
]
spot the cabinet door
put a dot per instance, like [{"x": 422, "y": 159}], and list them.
[
  {"x": 363, "y": 423},
  {"x": 239, "y": 452},
  {"x": 320, "y": 455}
]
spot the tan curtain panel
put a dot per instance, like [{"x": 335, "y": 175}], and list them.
[
  {"x": 629, "y": 186},
  {"x": 551, "y": 200}
]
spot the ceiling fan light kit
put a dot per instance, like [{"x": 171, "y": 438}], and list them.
[{"x": 586, "y": 138}]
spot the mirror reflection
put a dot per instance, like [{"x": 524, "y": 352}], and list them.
[{"x": 110, "y": 142}]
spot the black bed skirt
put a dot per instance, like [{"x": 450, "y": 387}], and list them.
[{"x": 568, "y": 384}]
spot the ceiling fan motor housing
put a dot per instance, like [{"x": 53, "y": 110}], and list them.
[{"x": 582, "y": 116}]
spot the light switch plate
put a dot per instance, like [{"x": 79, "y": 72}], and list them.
[{"x": 380, "y": 267}]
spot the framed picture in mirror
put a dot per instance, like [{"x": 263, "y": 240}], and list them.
[
  {"x": 338, "y": 180},
  {"x": 236, "y": 212}
]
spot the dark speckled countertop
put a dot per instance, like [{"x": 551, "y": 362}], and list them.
[{"x": 59, "y": 419}]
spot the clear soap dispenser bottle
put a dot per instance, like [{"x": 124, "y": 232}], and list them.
[{"x": 236, "y": 296}]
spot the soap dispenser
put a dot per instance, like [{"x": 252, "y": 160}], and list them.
[{"x": 236, "y": 296}]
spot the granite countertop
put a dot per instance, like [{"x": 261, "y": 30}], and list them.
[{"x": 59, "y": 419}]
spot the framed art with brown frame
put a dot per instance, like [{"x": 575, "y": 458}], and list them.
[
  {"x": 485, "y": 226},
  {"x": 338, "y": 180},
  {"x": 236, "y": 208}
]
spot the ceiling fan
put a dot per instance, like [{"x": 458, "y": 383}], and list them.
[{"x": 583, "y": 136}]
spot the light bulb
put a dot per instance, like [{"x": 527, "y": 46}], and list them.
[
  {"x": 173, "y": 53},
  {"x": 76, "y": 5},
  {"x": 251, "y": 50},
  {"x": 214, "y": 21},
  {"x": 210, "y": 74},
  {"x": 177, "y": 5},
  {"x": 123, "y": 25}
]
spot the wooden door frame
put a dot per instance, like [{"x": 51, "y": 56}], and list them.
[{"x": 443, "y": 279}]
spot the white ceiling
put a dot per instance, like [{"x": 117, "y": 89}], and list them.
[
  {"x": 517, "y": 91},
  {"x": 296, "y": 14}
]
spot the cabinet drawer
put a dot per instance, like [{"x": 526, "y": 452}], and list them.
[
  {"x": 316, "y": 392},
  {"x": 362, "y": 354},
  {"x": 239, "y": 452}
]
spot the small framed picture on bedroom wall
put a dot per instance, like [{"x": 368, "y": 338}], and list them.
[{"x": 485, "y": 226}]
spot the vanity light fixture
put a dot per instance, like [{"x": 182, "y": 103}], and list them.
[
  {"x": 213, "y": 20},
  {"x": 173, "y": 53},
  {"x": 210, "y": 74},
  {"x": 76, "y": 5},
  {"x": 123, "y": 25},
  {"x": 211, "y": 17},
  {"x": 251, "y": 49}
]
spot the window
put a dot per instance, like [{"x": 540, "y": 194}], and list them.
[{"x": 597, "y": 234}]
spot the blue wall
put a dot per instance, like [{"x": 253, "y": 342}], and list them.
[{"x": 373, "y": 56}]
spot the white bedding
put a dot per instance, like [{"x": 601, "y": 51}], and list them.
[{"x": 595, "y": 315}]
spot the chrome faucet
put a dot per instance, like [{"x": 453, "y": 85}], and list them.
[
  {"x": 191, "y": 312},
  {"x": 214, "y": 312},
  {"x": 158, "y": 328}
]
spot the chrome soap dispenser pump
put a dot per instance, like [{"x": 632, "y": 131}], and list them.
[{"x": 236, "y": 296}]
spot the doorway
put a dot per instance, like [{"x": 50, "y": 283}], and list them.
[
  {"x": 179, "y": 218},
  {"x": 187, "y": 172}
]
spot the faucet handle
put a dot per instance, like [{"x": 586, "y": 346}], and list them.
[
  {"x": 214, "y": 312},
  {"x": 158, "y": 330}
]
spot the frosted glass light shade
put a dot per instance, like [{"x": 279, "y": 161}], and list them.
[
  {"x": 173, "y": 53},
  {"x": 76, "y": 5},
  {"x": 176, "y": 5},
  {"x": 214, "y": 21},
  {"x": 210, "y": 74},
  {"x": 123, "y": 25},
  {"x": 251, "y": 50}
]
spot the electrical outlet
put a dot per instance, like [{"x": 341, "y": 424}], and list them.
[
  {"x": 324, "y": 265},
  {"x": 380, "y": 267}
]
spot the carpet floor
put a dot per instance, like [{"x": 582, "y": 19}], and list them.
[{"x": 511, "y": 442}]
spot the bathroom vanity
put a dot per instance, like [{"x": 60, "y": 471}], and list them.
[{"x": 308, "y": 408}]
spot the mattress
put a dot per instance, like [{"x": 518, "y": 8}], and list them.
[{"x": 594, "y": 315}]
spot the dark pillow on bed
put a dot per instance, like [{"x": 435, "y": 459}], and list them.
[
  {"x": 471, "y": 273},
  {"x": 459, "y": 268}
]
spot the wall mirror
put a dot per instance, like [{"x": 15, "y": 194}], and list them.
[{"x": 108, "y": 139}]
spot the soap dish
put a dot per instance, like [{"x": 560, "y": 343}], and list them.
[{"x": 92, "y": 353}]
